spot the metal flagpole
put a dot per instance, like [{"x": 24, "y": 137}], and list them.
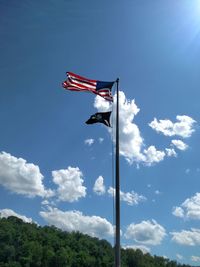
[{"x": 117, "y": 185}]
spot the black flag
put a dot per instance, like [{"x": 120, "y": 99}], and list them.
[{"x": 102, "y": 117}]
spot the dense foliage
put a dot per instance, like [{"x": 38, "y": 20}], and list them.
[{"x": 29, "y": 245}]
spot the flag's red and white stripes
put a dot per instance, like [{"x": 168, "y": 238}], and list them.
[{"x": 78, "y": 83}]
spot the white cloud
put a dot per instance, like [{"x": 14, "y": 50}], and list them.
[
  {"x": 153, "y": 155},
  {"x": 195, "y": 258},
  {"x": 131, "y": 198},
  {"x": 165, "y": 257},
  {"x": 21, "y": 177},
  {"x": 157, "y": 192},
  {"x": 5, "y": 213},
  {"x": 179, "y": 256},
  {"x": 75, "y": 221},
  {"x": 131, "y": 141},
  {"x": 99, "y": 187},
  {"x": 146, "y": 232},
  {"x": 132, "y": 146},
  {"x": 190, "y": 208},
  {"x": 170, "y": 152},
  {"x": 101, "y": 104},
  {"x": 89, "y": 142},
  {"x": 187, "y": 238},
  {"x": 45, "y": 202},
  {"x": 184, "y": 126},
  {"x": 179, "y": 144},
  {"x": 101, "y": 140},
  {"x": 178, "y": 212},
  {"x": 144, "y": 249},
  {"x": 70, "y": 184}
]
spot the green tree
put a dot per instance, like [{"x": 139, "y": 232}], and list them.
[{"x": 29, "y": 245}]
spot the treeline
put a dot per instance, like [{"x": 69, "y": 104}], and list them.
[{"x": 29, "y": 245}]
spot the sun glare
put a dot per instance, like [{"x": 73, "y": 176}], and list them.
[{"x": 190, "y": 18}]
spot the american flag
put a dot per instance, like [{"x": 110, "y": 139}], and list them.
[{"x": 75, "y": 82}]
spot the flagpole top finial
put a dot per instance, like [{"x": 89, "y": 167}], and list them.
[{"x": 117, "y": 80}]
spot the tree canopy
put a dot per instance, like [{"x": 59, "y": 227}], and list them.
[{"x": 29, "y": 245}]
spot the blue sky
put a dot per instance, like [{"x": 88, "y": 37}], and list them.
[{"x": 55, "y": 169}]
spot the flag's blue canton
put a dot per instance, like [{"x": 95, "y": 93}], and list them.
[{"x": 102, "y": 85}]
